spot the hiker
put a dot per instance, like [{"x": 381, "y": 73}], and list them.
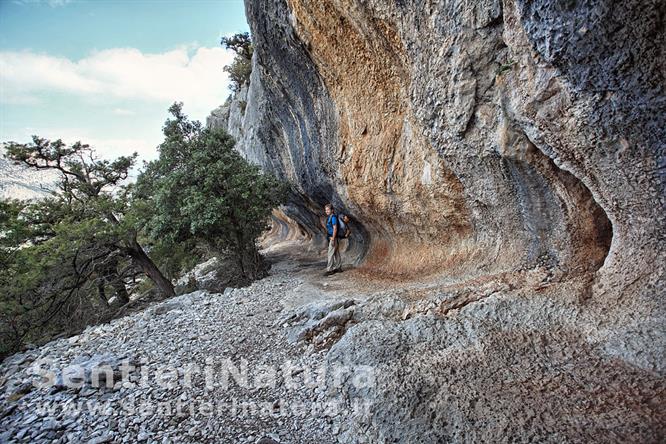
[{"x": 334, "y": 261}]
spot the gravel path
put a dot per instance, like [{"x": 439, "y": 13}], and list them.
[{"x": 153, "y": 396}]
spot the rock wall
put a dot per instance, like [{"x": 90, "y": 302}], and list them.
[
  {"x": 426, "y": 148},
  {"x": 482, "y": 141}
]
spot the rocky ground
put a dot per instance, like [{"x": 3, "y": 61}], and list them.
[
  {"x": 346, "y": 359},
  {"x": 149, "y": 400}
]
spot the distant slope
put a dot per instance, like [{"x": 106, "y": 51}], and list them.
[{"x": 19, "y": 182}]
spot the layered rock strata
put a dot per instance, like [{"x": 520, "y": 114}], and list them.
[{"x": 487, "y": 142}]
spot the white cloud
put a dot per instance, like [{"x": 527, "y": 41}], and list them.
[
  {"x": 123, "y": 112},
  {"x": 193, "y": 76},
  {"x": 51, "y": 3},
  {"x": 105, "y": 147},
  {"x": 111, "y": 148}
]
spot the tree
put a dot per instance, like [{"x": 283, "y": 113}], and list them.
[
  {"x": 241, "y": 67},
  {"x": 90, "y": 198},
  {"x": 201, "y": 188},
  {"x": 65, "y": 257},
  {"x": 50, "y": 269}
]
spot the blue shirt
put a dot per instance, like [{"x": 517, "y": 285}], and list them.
[{"x": 331, "y": 223}]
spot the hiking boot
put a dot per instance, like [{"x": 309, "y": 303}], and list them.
[{"x": 329, "y": 273}]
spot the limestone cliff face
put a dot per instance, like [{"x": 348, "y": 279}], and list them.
[
  {"x": 480, "y": 140},
  {"x": 448, "y": 133},
  {"x": 501, "y": 134}
]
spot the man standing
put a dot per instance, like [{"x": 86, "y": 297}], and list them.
[{"x": 334, "y": 261}]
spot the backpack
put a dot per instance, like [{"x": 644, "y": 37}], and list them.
[{"x": 343, "y": 225}]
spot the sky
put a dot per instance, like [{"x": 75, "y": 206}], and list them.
[{"x": 105, "y": 71}]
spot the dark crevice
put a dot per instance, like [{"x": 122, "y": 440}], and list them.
[{"x": 591, "y": 233}]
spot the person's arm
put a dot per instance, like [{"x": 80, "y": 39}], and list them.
[{"x": 335, "y": 229}]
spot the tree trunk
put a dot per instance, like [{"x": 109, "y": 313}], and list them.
[
  {"x": 119, "y": 286},
  {"x": 136, "y": 252},
  {"x": 150, "y": 269},
  {"x": 251, "y": 262},
  {"x": 101, "y": 292}
]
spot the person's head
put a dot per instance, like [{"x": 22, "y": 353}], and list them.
[{"x": 329, "y": 209}]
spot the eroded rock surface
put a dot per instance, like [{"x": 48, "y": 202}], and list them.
[{"x": 513, "y": 152}]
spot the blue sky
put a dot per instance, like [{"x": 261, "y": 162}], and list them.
[{"x": 105, "y": 71}]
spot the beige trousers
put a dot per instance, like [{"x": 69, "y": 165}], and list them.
[{"x": 334, "y": 261}]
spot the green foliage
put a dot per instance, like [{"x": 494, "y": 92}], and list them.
[
  {"x": 505, "y": 67},
  {"x": 201, "y": 188},
  {"x": 176, "y": 258},
  {"x": 241, "y": 67},
  {"x": 65, "y": 256},
  {"x": 240, "y": 43},
  {"x": 49, "y": 278},
  {"x": 63, "y": 259}
]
